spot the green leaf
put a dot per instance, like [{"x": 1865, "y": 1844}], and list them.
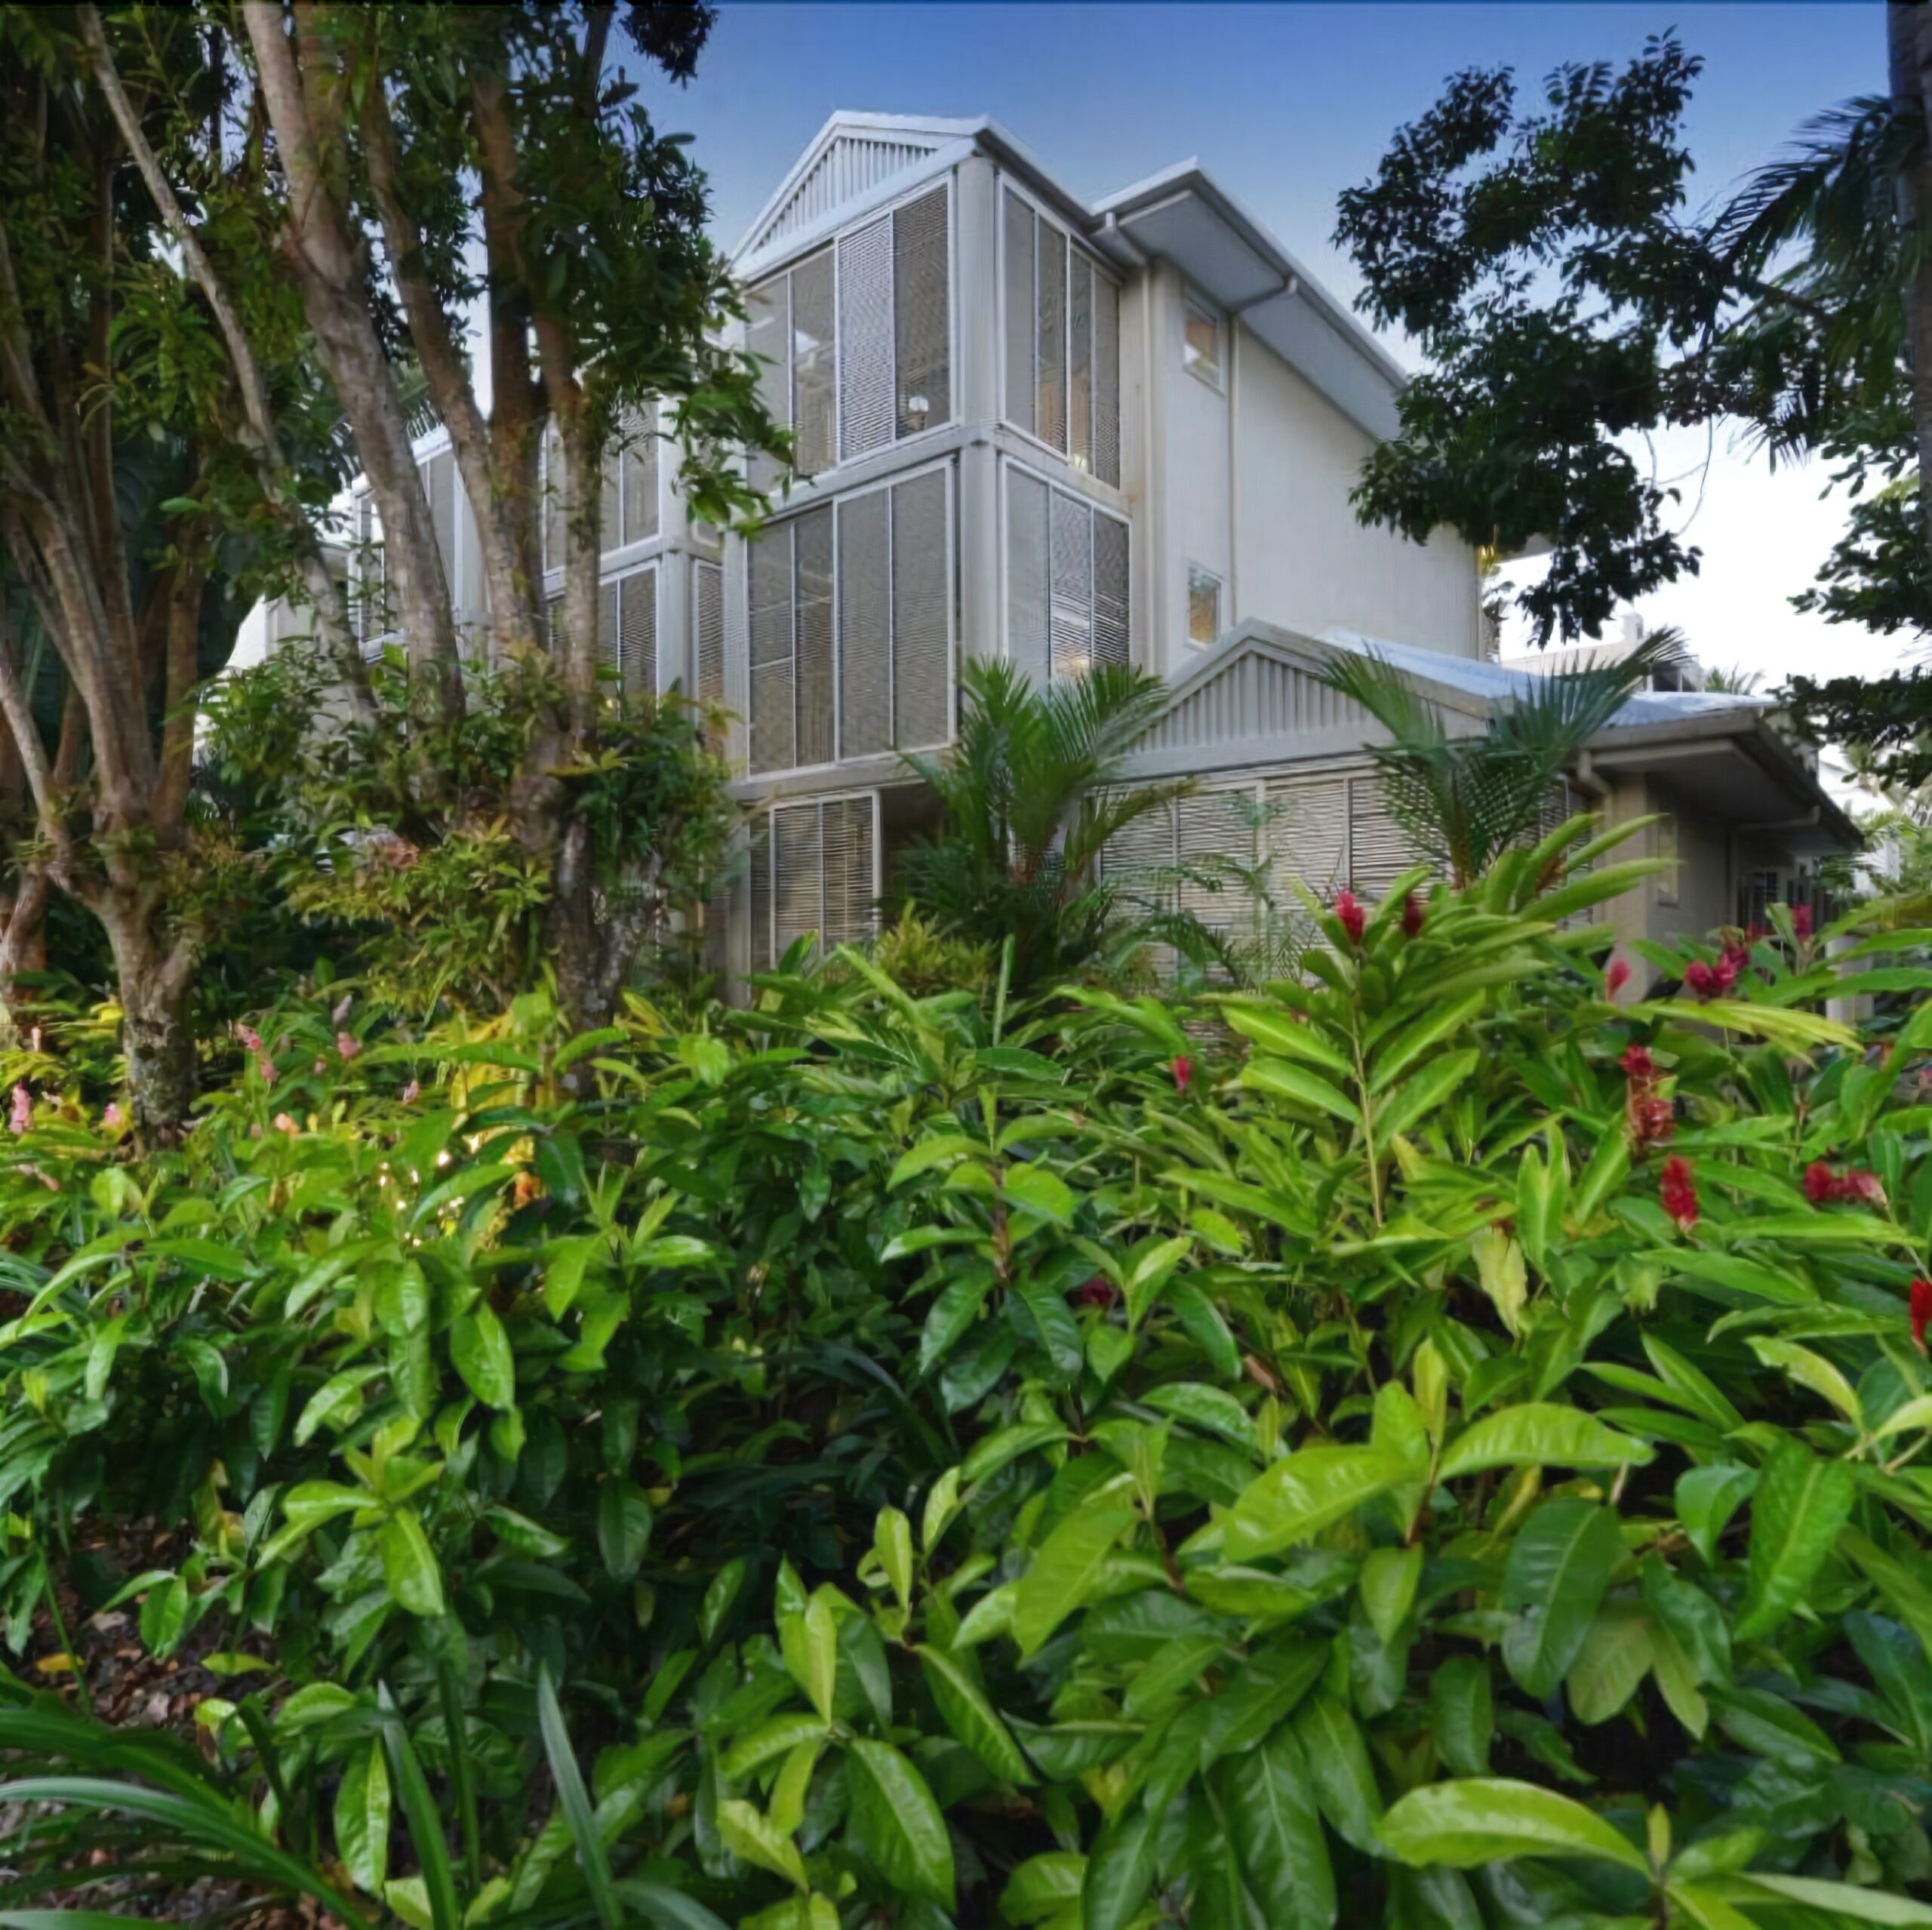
[
  {"x": 904, "y": 1835},
  {"x": 744, "y": 1831},
  {"x": 425, "y": 1825},
  {"x": 1461, "y": 1713},
  {"x": 1065, "y": 1569},
  {"x": 1387, "y": 1586},
  {"x": 1043, "y": 1886},
  {"x": 1040, "y": 1192},
  {"x": 624, "y": 1519},
  {"x": 575, "y": 1800},
  {"x": 1801, "y": 1503},
  {"x": 409, "y": 1564},
  {"x": 1840, "y": 1901},
  {"x": 1416, "y": 1098},
  {"x": 892, "y": 1542},
  {"x": 1706, "y": 1499},
  {"x": 718, "y": 1598},
  {"x": 1119, "y": 1875},
  {"x": 1339, "y": 1768},
  {"x": 1555, "y": 1577},
  {"x": 1487, "y": 1819},
  {"x": 1314, "y": 1489},
  {"x": 481, "y": 1351},
  {"x": 1615, "y": 1654},
  {"x": 971, "y": 1717},
  {"x": 1283, "y": 1079},
  {"x": 1540, "y": 1433},
  {"x": 362, "y": 1819},
  {"x": 952, "y": 1314},
  {"x": 1269, "y": 1800},
  {"x": 925, "y": 1154}
]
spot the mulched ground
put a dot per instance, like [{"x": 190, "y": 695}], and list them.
[{"x": 131, "y": 1689}]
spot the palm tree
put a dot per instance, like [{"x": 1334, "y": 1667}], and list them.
[
  {"x": 1735, "y": 681},
  {"x": 1462, "y": 802},
  {"x": 1027, "y": 799}
]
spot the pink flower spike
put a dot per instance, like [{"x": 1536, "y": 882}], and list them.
[
  {"x": 1182, "y": 1070},
  {"x": 1353, "y": 915},
  {"x": 1617, "y": 977},
  {"x": 341, "y": 1011},
  {"x": 411, "y": 1093},
  {"x": 283, "y": 1123},
  {"x": 112, "y": 1117},
  {"x": 348, "y": 1044},
  {"x": 21, "y": 1119}
]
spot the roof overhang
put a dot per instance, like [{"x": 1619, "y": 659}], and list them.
[{"x": 1183, "y": 216}]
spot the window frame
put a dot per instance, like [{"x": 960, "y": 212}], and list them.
[
  {"x": 1192, "y": 307},
  {"x": 941, "y": 465},
  {"x": 763, "y": 824},
  {"x": 829, "y": 244},
  {"x": 1007, "y": 466},
  {"x": 1004, "y": 183},
  {"x": 1220, "y": 582}
]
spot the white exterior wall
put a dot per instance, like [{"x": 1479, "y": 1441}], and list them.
[{"x": 1304, "y": 562}]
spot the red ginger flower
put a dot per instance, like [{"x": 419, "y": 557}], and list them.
[
  {"x": 1617, "y": 977},
  {"x": 1703, "y": 980},
  {"x": 1638, "y": 1063},
  {"x": 1413, "y": 914},
  {"x": 1820, "y": 1183},
  {"x": 1353, "y": 914},
  {"x": 1921, "y": 1311},
  {"x": 1182, "y": 1070},
  {"x": 1656, "y": 1121},
  {"x": 1678, "y": 1191},
  {"x": 1801, "y": 920},
  {"x": 1095, "y": 1291}
]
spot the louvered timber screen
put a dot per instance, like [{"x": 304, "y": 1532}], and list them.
[
  {"x": 812, "y": 597},
  {"x": 1378, "y": 851},
  {"x": 921, "y": 613},
  {"x": 865, "y": 339},
  {"x": 865, "y": 624},
  {"x": 1066, "y": 581},
  {"x": 921, "y": 320},
  {"x": 637, "y": 631},
  {"x": 640, "y": 473},
  {"x": 823, "y": 873},
  {"x": 814, "y": 364},
  {"x": 1060, "y": 331},
  {"x": 708, "y": 631}
]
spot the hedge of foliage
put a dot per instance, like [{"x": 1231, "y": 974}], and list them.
[{"x": 1424, "y": 1444}]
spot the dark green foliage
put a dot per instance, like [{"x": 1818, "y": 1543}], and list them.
[{"x": 866, "y": 1460}]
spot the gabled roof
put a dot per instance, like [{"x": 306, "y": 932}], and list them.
[
  {"x": 1257, "y": 698},
  {"x": 851, "y": 155},
  {"x": 1181, "y": 215}
]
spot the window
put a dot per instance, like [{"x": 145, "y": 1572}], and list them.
[
  {"x": 1067, "y": 580},
  {"x": 1203, "y": 605},
  {"x": 851, "y": 627},
  {"x": 813, "y": 871},
  {"x": 857, "y": 339},
  {"x": 1201, "y": 344},
  {"x": 627, "y": 505},
  {"x": 627, "y": 630},
  {"x": 1061, "y": 330},
  {"x": 708, "y": 631}
]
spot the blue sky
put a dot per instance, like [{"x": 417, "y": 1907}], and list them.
[{"x": 1288, "y": 105}]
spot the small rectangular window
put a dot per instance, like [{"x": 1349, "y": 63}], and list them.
[
  {"x": 1203, "y": 605},
  {"x": 1200, "y": 345}
]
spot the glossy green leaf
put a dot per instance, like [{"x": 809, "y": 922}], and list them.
[
  {"x": 1313, "y": 1489},
  {"x": 1802, "y": 1502},
  {"x": 1558, "y": 1567},
  {"x": 900, "y": 1824},
  {"x": 1539, "y": 1433},
  {"x": 1488, "y": 1819}
]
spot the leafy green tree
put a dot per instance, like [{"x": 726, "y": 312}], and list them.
[
  {"x": 1028, "y": 798},
  {"x": 1463, "y": 801},
  {"x": 1569, "y": 306},
  {"x": 429, "y": 163},
  {"x": 140, "y": 510}
]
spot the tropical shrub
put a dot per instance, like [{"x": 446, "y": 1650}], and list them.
[{"x": 1449, "y": 1457}]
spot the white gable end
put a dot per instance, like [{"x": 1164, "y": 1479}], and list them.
[{"x": 852, "y": 156}]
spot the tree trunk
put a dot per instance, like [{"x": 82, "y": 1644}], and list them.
[
  {"x": 23, "y": 929},
  {"x": 152, "y": 978},
  {"x": 1908, "y": 47}
]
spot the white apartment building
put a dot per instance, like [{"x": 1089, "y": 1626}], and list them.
[{"x": 1066, "y": 434}]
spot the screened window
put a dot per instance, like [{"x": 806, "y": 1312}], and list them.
[
  {"x": 627, "y": 630},
  {"x": 1067, "y": 580},
  {"x": 1203, "y": 605},
  {"x": 857, "y": 340},
  {"x": 708, "y": 631},
  {"x": 813, "y": 872},
  {"x": 629, "y": 508},
  {"x": 851, "y": 627},
  {"x": 1061, "y": 331},
  {"x": 1201, "y": 344}
]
